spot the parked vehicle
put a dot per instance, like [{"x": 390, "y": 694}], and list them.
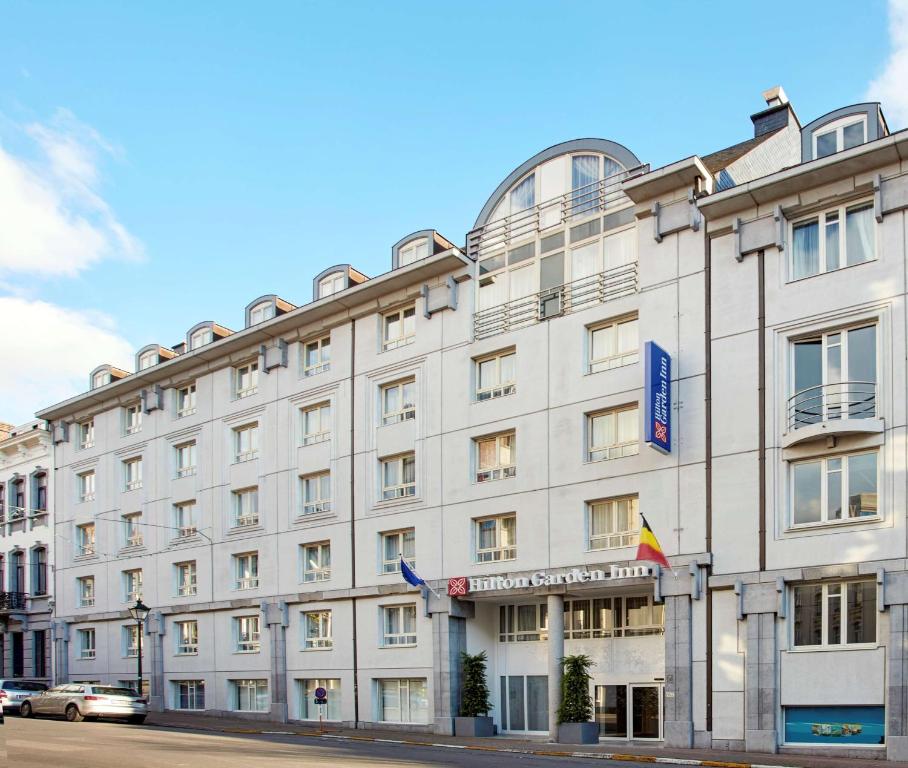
[
  {"x": 80, "y": 701},
  {"x": 14, "y": 692}
]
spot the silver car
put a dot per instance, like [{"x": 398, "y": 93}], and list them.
[
  {"x": 82, "y": 701},
  {"x": 14, "y": 692}
]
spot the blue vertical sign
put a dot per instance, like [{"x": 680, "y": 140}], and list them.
[{"x": 657, "y": 420}]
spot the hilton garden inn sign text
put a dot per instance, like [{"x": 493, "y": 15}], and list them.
[{"x": 465, "y": 585}]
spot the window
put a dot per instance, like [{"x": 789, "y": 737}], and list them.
[
  {"x": 39, "y": 653},
  {"x": 316, "y": 493},
  {"x": 333, "y": 283},
  {"x": 496, "y": 457},
  {"x": 185, "y": 519},
  {"x": 522, "y": 623},
  {"x": 189, "y": 694},
  {"x": 316, "y": 423},
  {"x": 86, "y": 643},
  {"x": 248, "y": 636},
  {"x": 399, "y": 328},
  {"x": 629, "y": 616},
  {"x": 496, "y": 376},
  {"x": 614, "y": 523},
  {"x": 86, "y": 482},
  {"x": 397, "y": 543},
  {"x": 40, "y": 503},
  {"x": 317, "y": 630},
  {"x": 186, "y": 459},
  {"x": 186, "y": 401},
  {"x": 834, "y": 377},
  {"x": 832, "y": 489},
  {"x": 523, "y": 195},
  {"x": 100, "y": 379},
  {"x": 398, "y": 476},
  {"x": 132, "y": 530},
  {"x": 842, "y": 134},
  {"x": 316, "y": 561},
  {"x": 85, "y": 539},
  {"x": 246, "y": 443},
  {"x": 246, "y": 568},
  {"x": 842, "y": 613},
  {"x": 398, "y": 401},
  {"x": 585, "y": 191},
  {"x": 186, "y": 579},
  {"x": 187, "y": 637},
  {"x": 317, "y": 356},
  {"x": 87, "y": 434},
  {"x": 249, "y": 695},
  {"x": 130, "y": 641},
  {"x": 85, "y": 588},
  {"x": 261, "y": 312},
  {"x": 613, "y": 433},
  {"x": 399, "y": 622},
  {"x": 133, "y": 468},
  {"x": 39, "y": 571},
  {"x": 413, "y": 251},
  {"x": 496, "y": 538},
  {"x": 247, "y": 380},
  {"x": 309, "y": 710},
  {"x": 613, "y": 344},
  {"x": 200, "y": 338},
  {"x": 821, "y": 243},
  {"x": 245, "y": 507},
  {"x": 132, "y": 585},
  {"x": 133, "y": 418},
  {"x": 148, "y": 359},
  {"x": 403, "y": 701}
]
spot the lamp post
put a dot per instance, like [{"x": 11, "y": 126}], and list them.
[{"x": 139, "y": 612}]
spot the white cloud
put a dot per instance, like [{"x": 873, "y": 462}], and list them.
[
  {"x": 53, "y": 220},
  {"x": 49, "y": 352},
  {"x": 891, "y": 87}
]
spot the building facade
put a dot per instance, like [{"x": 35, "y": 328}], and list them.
[{"x": 488, "y": 414}]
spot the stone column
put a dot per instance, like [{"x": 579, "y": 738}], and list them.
[
  {"x": 60, "y": 634},
  {"x": 153, "y": 648},
  {"x": 555, "y": 604},
  {"x": 760, "y": 690},
  {"x": 679, "y": 721},
  {"x": 276, "y": 620},
  {"x": 449, "y": 639},
  {"x": 897, "y": 684}
]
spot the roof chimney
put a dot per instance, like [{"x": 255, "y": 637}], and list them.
[
  {"x": 5, "y": 429},
  {"x": 776, "y": 115},
  {"x": 775, "y": 96}
]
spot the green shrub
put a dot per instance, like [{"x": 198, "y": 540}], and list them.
[
  {"x": 576, "y": 703},
  {"x": 474, "y": 696}
]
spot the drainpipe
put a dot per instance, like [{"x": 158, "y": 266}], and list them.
[
  {"x": 761, "y": 395},
  {"x": 353, "y": 520},
  {"x": 707, "y": 278}
]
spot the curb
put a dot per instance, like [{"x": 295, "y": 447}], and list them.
[{"x": 617, "y": 756}]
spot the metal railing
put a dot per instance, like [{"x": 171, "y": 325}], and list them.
[
  {"x": 579, "y": 203},
  {"x": 562, "y": 300},
  {"x": 828, "y": 402},
  {"x": 12, "y": 601}
]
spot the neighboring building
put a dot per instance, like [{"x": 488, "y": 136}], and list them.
[
  {"x": 484, "y": 412},
  {"x": 26, "y": 550}
]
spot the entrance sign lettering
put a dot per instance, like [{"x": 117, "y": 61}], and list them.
[{"x": 463, "y": 585}]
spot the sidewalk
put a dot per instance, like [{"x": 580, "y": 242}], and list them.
[{"x": 631, "y": 754}]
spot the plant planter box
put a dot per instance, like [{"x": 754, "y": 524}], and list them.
[
  {"x": 473, "y": 726},
  {"x": 578, "y": 733}
]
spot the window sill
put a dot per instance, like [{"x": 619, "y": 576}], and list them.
[
  {"x": 316, "y": 650},
  {"x": 395, "y": 647},
  {"x": 241, "y": 529},
  {"x": 313, "y": 516},
  {"x": 827, "y": 525},
  {"x": 829, "y": 272},
  {"x": 396, "y": 502},
  {"x": 85, "y": 558},
  {"x": 181, "y": 655},
  {"x": 245, "y": 653},
  {"x": 828, "y": 648},
  {"x": 314, "y": 582},
  {"x": 588, "y": 460},
  {"x": 590, "y": 372}
]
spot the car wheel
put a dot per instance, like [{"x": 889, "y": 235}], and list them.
[
  {"x": 73, "y": 714},
  {"x": 26, "y": 710},
  {"x": 137, "y": 719},
  {"x": 91, "y": 718}
]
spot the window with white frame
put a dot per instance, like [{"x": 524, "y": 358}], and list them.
[
  {"x": 619, "y": 248},
  {"x": 187, "y": 637},
  {"x": 832, "y": 239},
  {"x": 614, "y": 523},
  {"x": 840, "y": 135},
  {"x": 316, "y": 423},
  {"x": 496, "y": 375},
  {"x": 523, "y": 623},
  {"x": 398, "y": 401},
  {"x": 246, "y": 443},
  {"x": 87, "y": 643},
  {"x": 133, "y": 471},
  {"x": 130, "y": 640},
  {"x": 628, "y": 616},
  {"x": 331, "y": 284},
  {"x": 397, "y": 543},
  {"x": 148, "y": 359},
  {"x": 85, "y": 539},
  {"x": 316, "y": 492},
  {"x": 132, "y": 530},
  {"x": 186, "y": 401},
  {"x": 613, "y": 433},
  {"x": 261, "y": 312},
  {"x": 245, "y": 507},
  {"x": 249, "y": 695},
  {"x": 246, "y": 379},
  {"x": 132, "y": 585},
  {"x": 398, "y": 476},
  {"x": 187, "y": 584},
  {"x": 188, "y": 694},
  {"x": 246, "y": 570},
  {"x": 834, "y": 489},
  {"x": 496, "y": 538},
  {"x": 834, "y": 614},
  {"x": 200, "y": 338},
  {"x": 316, "y": 630},
  {"x": 100, "y": 379},
  {"x": 403, "y": 701},
  {"x": 186, "y": 458},
  {"x": 413, "y": 251},
  {"x": 309, "y": 710},
  {"x": 399, "y": 328},
  {"x": 132, "y": 415},
  {"x": 86, "y": 483},
  {"x": 316, "y": 356},
  {"x": 184, "y": 519},
  {"x": 613, "y": 344},
  {"x": 496, "y": 457},
  {"x": 399, "y": 625},
  {"x": 87, "y": 434},
  {"x": 85, "y": 588},
  {"x": 523, "y": 195},
  {"x": 316, "y": 561},
  {"x": 248, "y": 635}
]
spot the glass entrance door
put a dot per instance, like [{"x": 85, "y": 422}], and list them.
[
  {"x": 646, "y": 711},
  {"x": 524, "y": 703},
  {"x": 628, "y": 711}
]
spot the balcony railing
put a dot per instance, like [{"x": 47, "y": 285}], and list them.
[
  {"x": 12, "y": 601},
  {"x": 828, "y": 402},
  {"x": 562, "y": 300}
]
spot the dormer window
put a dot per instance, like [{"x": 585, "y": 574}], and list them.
[
  {"x": 840, "y": 135},
  {"x": 200, "y": 338},
  {"x": 261, "y": 312},
  {"x": 100, "y": 379},
  {"x": 148, "y": 359},
  {"x": 413, "y": 251},
  {"x": 333, "y": 283}
]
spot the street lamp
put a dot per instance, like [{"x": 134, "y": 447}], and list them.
[{"x": 139, "y": 612}]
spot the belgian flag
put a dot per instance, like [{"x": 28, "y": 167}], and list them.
[{"x": 649, "y": 548}]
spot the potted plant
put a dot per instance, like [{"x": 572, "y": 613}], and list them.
[
  {"x": 575, "y": 712},
  {"x": 474, "y": 717}
]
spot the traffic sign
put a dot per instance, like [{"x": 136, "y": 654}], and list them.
[{"x": 321, "y": 693}]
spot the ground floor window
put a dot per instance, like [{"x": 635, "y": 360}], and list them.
[
  {"x": 524, "y": 702},
  {"x": 403, "y": 701},
  {"x": 309, "y": 710},
  {"x": 835, "y": 726},
  {"x": 249, "y": 695},
  {"x": 189, "y": 694},
  {"x": 628, "y": 711}
]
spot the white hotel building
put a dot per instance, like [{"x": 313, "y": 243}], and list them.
[{"x": 481, "y": 410}]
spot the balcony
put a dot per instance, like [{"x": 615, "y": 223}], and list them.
[
  {"x": 12, "y": 601},
  {"x": 832, "y": 410}
]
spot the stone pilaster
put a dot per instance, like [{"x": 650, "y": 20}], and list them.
[
  {"x": 449, "y": 640},
  {"x": 679, "y": 721},
  {"x": 276, "y": 620},
  {"x": 897, "y": 684},
  {"x": 153, "y": 647},
  {"x": 60, "y": 634},
  {"x": 761, "y": 697},
  {"x": 556, "y": 654}
]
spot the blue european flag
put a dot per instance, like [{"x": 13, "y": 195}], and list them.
[{"x": 409, "y": 574}]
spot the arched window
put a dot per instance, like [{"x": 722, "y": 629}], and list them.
[
  {"x": 148, "y": 359},
  {"x": 100, "y": 379},
  {"x": 331, "y": 284},
  {"x": 261, "y": 312},
  {"x": 413, "y": 251},
  {"x": 200, "y": 338}
]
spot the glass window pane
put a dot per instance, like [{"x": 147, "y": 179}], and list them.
[
  {"x": 409, "y": 538},
  {"x": 506, "y": 374},
  {"x": 627, "y": 337},
  {"x": 585, "y": 261},
  {"x": 805, "y": 249},
  {"x": 853, "y": 135},
  {"x": 806, "y": 498},
  {"x": 861, "y": 612},
  {"x": 834, "y": 489},
  {"x": 832, "y": 241},
  {"x": 862, "y": 485},
  {"x": 808, "y": 365},
  {"x": 859, "y": 223},
  {"x": 808, "y": 614},
  {"x": 523, "y": 196},
  {"x": 826, "y": 144},
  {"x": 523, "y": 282},
  {"x": 834, "y": 614},
  {"x": 603, "y": 343}
]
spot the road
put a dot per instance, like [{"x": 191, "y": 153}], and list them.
[{"x": 59, "y": 744}]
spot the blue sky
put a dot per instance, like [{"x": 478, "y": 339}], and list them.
[{"x": 200, "y": 155}]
